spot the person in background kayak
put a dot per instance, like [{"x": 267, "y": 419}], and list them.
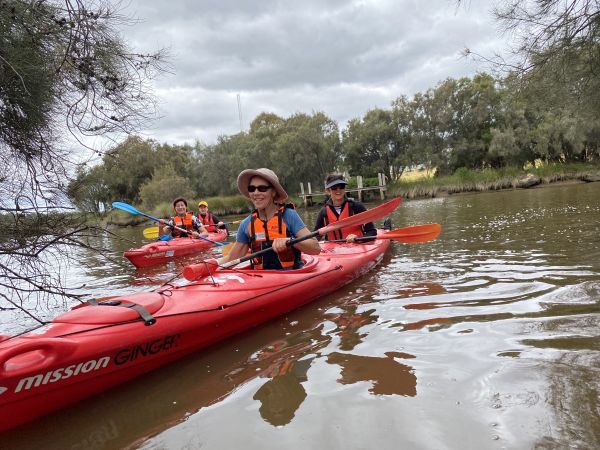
[
  {"x": 271, "y": 224},
  {"x": 183, "y": 219},
  {"x": 208, "y": 219},
  {"x": 339, "y": 206}
]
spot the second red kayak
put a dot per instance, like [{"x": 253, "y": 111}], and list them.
[{"x": 163, "y": 251}]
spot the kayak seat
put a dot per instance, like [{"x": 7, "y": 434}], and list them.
[{"x": 109, "y": 311}]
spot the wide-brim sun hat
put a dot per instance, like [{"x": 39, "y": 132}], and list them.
[
  {"x": 245, "y": 176},
  {"x": 335, "y": 183}
]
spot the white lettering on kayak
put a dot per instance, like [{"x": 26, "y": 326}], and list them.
[
  {"x": 3, "y": 390},
  {"x": 62, "y": 373},
  {"x": 223, "y": 278}
]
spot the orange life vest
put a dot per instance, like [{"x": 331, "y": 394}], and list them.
[
  {"x": 262, "y": 233},
  {"x": 343, "y": 232},
  {"x": 186, "y": 222},
  {"x": 208, "y": 221}
]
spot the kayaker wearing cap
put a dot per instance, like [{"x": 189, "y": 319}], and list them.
[
  {"x": 339, "y": 206},
  {"x": 271, "y": 224},
  {"x": 183, "y": 219},
  {"x": 208, "y": 219}
]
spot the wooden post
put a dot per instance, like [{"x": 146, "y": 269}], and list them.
[
  {"x": 359, "y": 183},
  {"x": 309, "y": 196},
  {"x": 382, "y": 188},
  {"x": 302, "y": 194}
]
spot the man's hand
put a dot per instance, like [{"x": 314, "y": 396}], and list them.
[{"x": 351, "y": 238}]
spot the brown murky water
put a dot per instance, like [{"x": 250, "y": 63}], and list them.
[{"x": 488, "y": 337}]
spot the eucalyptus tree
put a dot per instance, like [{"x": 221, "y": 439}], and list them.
[
  {"x": 370, "y": 144},
  {"x": 65, "y": 75},
  {"x": 432, "y": 129},
  {"x": 222, "y": 162},
  {"x": 307, "y": 149}
]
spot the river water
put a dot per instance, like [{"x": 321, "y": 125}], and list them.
[{"x": 487, "y": 337}]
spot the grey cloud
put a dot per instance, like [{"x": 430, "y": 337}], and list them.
[{"x": 335, "y": 56}]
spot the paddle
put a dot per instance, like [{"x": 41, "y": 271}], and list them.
[
  {"x": 130, "y": 209},
  {"x": 191, "y": 272},
  {"x": 409, "y": 235}
]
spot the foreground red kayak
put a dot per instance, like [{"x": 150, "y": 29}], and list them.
[
  {"x": 95, "y": 347},
  {"x": 162, "y": 251}
]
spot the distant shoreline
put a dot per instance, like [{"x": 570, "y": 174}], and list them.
[{"x": 467, "y": 181}]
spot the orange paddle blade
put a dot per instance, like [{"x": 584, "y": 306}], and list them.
[{"x": 414, "y": 234}]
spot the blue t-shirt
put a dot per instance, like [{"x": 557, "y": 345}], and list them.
[{"x": 292, "y": 220}]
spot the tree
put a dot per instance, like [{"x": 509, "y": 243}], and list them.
[
  {"x": 369, "y": 144},
  {"x": 307, "y": 149},
  {"x": 64, "y": 71},
  {"x": 166, "y": 184}
]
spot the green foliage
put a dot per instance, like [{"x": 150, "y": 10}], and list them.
[
  {"x": 65, "y": 75},
  {"x": 166, "y": 184},
  {"x": 370, "y": 144}
]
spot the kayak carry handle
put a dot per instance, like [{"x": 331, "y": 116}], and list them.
[
  {"x": 194, "y": 271},
  {"x": 21, "y": 358}
]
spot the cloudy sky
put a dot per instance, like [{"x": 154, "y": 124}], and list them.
[{"x": 342, "y": 57}]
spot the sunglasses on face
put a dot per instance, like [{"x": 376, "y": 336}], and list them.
[
  {"x": 261, "y": 188},
  {"x": 338, "y": 187}
]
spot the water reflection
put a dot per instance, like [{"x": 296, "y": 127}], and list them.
[
  {"x": 387, "y": 376},
  {"x": 282, "y": 395},
  {"x": 349, "y": 322}
]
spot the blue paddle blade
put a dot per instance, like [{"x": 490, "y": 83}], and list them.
[{"x": 125, "y": 207}]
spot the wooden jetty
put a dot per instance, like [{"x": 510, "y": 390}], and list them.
[{"x": 307, "y": 195}]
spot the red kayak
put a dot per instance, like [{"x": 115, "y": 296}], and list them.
[
  {"x": 95, "y": 347},
  {"x": 162, "y": 251}
]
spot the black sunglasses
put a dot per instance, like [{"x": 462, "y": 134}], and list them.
[
  {"x": 338, "y": 186},
  {"x": 261, "y": 188}
]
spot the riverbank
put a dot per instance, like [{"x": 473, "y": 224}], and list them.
[{"x": 464, "y": 180}]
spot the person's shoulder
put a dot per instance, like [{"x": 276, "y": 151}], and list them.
[
  {"x": 293, "y": 219},
  {"x": 245, "y": 221}
]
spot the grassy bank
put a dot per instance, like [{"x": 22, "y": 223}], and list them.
[{"x": 465, "y": 180}]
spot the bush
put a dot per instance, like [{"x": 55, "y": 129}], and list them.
[{"x": 165, "y": 186}]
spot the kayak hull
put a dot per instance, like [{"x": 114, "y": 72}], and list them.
[
  {"x": 160, "y": 252},
  {"x": 94, "y": 347}
]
